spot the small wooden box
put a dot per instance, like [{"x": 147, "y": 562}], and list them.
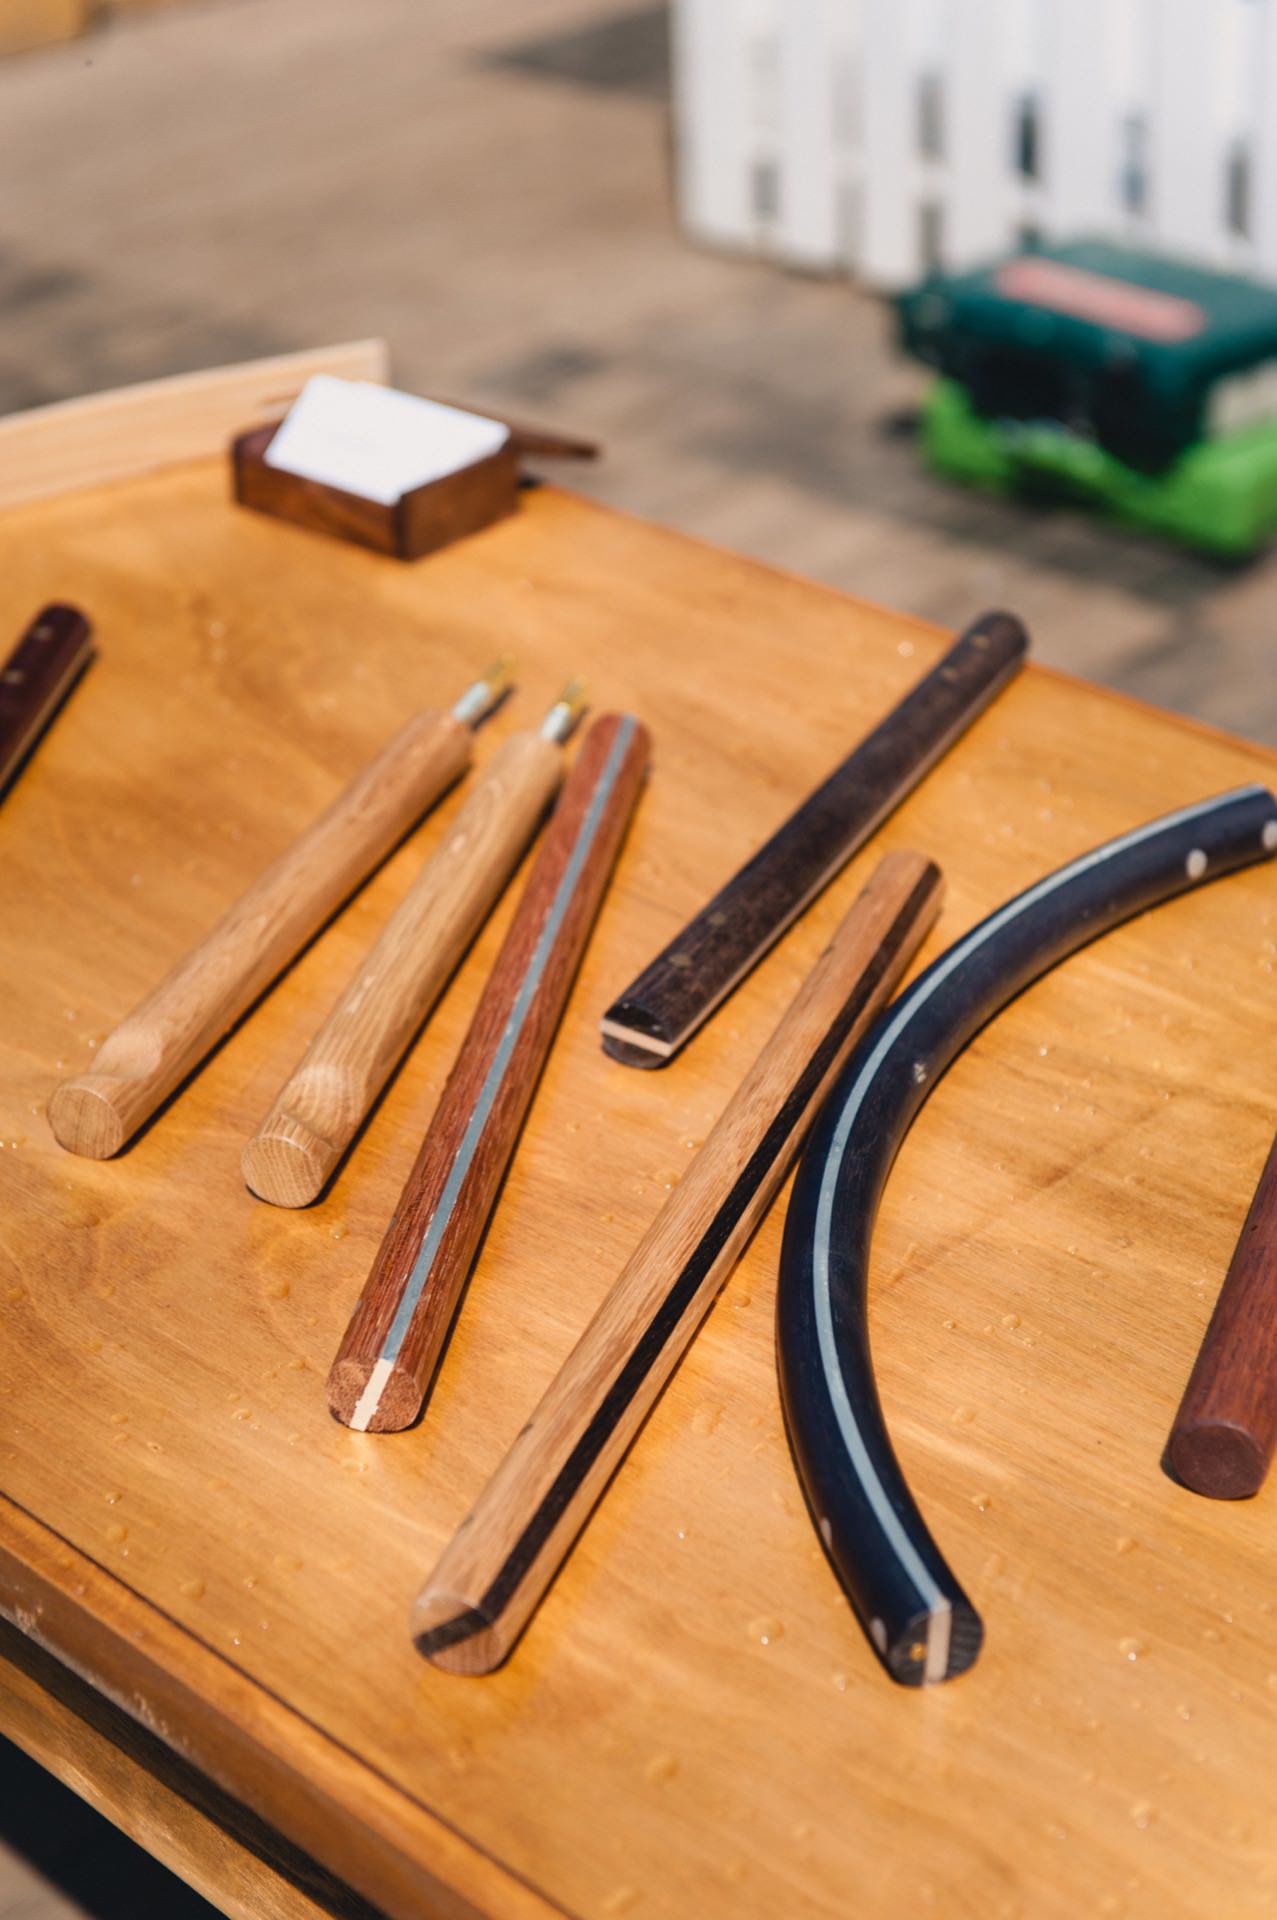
[{"x": 420, "y": 521}]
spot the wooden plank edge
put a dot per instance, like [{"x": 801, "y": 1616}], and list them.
[
  {"x": 212, "y": 1842},
  {"x": 360, "y": 1826},
  {"x": 130, "y": 431}
]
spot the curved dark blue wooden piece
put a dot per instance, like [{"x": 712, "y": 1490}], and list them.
[{"x": 922, "y": 1624}]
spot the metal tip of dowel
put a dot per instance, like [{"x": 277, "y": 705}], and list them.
[
  {"x": 487, "y": 690},
  {"x": 565, "y": 712}
]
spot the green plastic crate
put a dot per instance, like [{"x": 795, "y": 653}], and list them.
[
  {"x": 1220, "y": 496},
  {"x": 1144, "y": 354}
]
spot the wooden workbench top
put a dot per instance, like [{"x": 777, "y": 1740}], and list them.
[{"x": 693, "y": 1724}]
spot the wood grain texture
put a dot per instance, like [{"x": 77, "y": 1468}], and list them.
[
  {"x": 195, "y": 1004},
  {"x": 682, "y": 987},
  {"x": 391, "y": 1348},
  {"x": 910, "y": 1602},
  {"x": 189, "y": 416},
  {"x": 215, "y": 1844},
  {"x": 508, "y": 1549},
  {"x": 692, "y": 1724},
  {"x": 1224, "y": 1433},
  {"x": 35, "y": 680},
  {"x": 325, "y": 1100}
]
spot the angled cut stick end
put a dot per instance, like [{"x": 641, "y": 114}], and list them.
[
  {"x": 382, "y": 1398},
  {"x": 906, "y": 871},
  {"x": 86, "y": 1119},
  {"x": 460, "y": 1636},
  {"x": 629, "y": 1036}
]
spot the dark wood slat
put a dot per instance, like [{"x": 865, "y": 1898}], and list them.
[
  {"x": 36, "y": 679},
  {"x": 396, "y": 1335},
  {"x": 1222, "y": 1441},
  {"x": 677, "y": 993}
]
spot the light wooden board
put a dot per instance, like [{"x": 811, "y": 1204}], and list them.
[
  {"x": 143, "y": 429},
  {"x": 34, "y": 23},
  {"x": 693, "y": 1724}
]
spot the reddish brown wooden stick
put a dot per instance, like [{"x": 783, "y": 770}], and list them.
[
  {"x": 36, "y": 679},
  {"x": 1226, "y": 1427},
  {"x": 391, "y": 1348}
]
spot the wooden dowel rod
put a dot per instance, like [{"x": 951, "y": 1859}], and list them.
[
  {"x": 1224, "y": 1433},
  {"x": 320, "y": 1108},
  {"x": 502, "y": 1559},
  {"x": 36, "y": 679},
  {"x": 678, "y": 991},
  {"x": 396, "y": 1334},
  {"x": 184, "y": 1017}
]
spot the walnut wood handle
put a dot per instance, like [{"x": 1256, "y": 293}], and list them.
[
  {"x": 320, "y": 1108},
  {"x": 165, "y": 1037},
  {"x": 679, "y": 990},
  {"x": 36, "y": 679},
  {"x": 392, "y": 1345},
  {"x": 502, "y": 1559},
  {"x": 1223, "y": 1437}
]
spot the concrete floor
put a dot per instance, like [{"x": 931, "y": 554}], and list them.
[{"x": 486, "y": 183}]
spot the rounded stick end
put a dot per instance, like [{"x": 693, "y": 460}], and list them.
[
  {"x": 1218, "y": 1459},
  {"x": 289, "y": 1165},
  {"x": 451, "y": 1633},
  {"x": 931, "y": 1647},
  {"x": 85, "y": 1121},
  {"x": 383, "y": 1398}
]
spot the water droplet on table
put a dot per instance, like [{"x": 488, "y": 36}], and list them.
[{"x": 767, "y": 1629}]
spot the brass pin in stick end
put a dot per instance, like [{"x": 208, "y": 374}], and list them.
[
  {"x": 565, "y": 712},
  {"x": 491, "y": 686}
]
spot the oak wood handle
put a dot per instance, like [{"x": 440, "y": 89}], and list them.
[
  {"x": 36, "y": 678},
  {"x": 173, "y": 1028},
  {"x": 396, "y": 1334},
  {"x": 502, "y": 1559},
  {"x": 321, "y": 1106},
  {"x": 1224, "y": 1433}
]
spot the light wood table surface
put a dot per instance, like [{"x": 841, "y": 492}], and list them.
[{"x": 209, "y": 1580}]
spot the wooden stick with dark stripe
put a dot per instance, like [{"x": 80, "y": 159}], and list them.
[
  {"x": 677, "y": 992},
  {"x": 500, "y": 1562},
  {"x": 396, "y": 1335}
]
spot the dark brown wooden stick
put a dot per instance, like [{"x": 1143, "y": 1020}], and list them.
[
  {"x": 673, "y": 997},
  {"x": 1226, "y": 1427},
  {"x": 396, "y": 1335},
  {"x": 36, "y": 679},
  {"x": 504, "y": 1556}
]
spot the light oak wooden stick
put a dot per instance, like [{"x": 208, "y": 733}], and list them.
[
  {"x": 504, "y": 1556},
  {"x": 320, "y": 1108},
  {"x": 184, "y": 1017},
  {"x": 396, "y": 1335}
]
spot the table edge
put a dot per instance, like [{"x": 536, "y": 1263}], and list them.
[{"x": 361, "y": 1826}]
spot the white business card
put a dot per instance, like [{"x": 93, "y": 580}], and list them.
[{"x": 375, "y": 441}]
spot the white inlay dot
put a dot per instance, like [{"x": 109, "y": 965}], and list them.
[
  {"x": 1195, "y": 865},
  {"x": 1270, "y": 836}
]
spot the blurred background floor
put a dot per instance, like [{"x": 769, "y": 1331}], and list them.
[{"x": 486, "y": 183}]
